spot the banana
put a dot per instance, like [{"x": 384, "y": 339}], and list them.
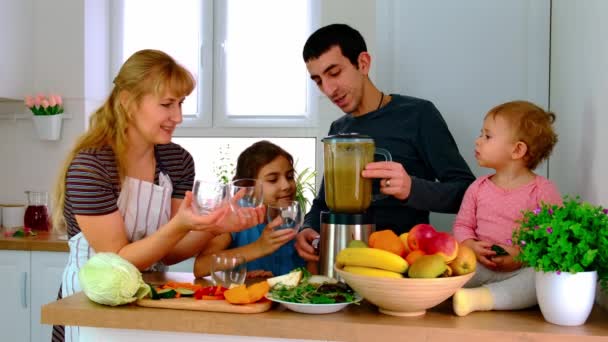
[
  {"x": 371, "y": 257},
  {"x": 372, "y": 272}
]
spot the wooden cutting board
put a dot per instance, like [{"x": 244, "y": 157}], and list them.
[{"x": 190, "y": 303}]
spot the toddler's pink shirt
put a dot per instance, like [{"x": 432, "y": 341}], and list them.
[{"x": 488, "y": 212}]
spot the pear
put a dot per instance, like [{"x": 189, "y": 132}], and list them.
[
  {"x": 427, "y": 266},
  {"x": 356, "y": 244}
]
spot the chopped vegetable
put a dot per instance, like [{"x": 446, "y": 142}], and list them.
[{"x": 311, "y": 290}]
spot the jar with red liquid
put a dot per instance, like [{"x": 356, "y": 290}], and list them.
[{"x": 37, "y": 214}]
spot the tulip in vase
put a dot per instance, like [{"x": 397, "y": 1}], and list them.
[{"x": 48, "y": 115}]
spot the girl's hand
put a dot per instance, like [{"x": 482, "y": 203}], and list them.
[
  {"x": 483, "y": 251},
  {"x": 270, "y": 240},
  {"x": 507, "y": 263}
]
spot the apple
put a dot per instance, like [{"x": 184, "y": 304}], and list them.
[
  {"x": 424, "y": 237},
  {"x": 465, "y": 261}
]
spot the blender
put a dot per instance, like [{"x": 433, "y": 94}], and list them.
[{"x": 348, "y": 195}]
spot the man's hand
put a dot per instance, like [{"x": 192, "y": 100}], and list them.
[
  {"x": 395, "y": 180},
  {"x": 304, "y": 244}
]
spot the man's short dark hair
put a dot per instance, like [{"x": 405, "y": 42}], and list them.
[{"x": 349, "y": 40}]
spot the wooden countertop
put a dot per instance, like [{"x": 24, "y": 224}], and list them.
[
  {"x": 355, "y": 323},
  {"x": 42, "y": 242}
]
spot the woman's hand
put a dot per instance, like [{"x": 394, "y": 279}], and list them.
[
  {"x": 221, "y": 220},
  {"x": 272, "y": 239},
  {"x": 188, "y": 219},
  {"x": 483, "y": 251},
  {"x": 395, "y": 180},
  {"x": 507, "y": 263}
]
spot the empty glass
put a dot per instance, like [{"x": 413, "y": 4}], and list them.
[
  {"x": 207, "y": 196},
  {"x": 245, "y": 193},
  {"x": 228, "y": 270},
  {"x": 290, "y": 212}
]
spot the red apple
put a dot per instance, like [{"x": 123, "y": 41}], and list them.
[
  {"x": 425, "y": 238},
  {"x": 418, "y": 233}
]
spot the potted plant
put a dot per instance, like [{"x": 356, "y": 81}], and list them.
[
  {"x": 568, "y": 247},
  {"x": 48, "y": 115}
]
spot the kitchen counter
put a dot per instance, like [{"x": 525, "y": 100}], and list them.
[
  {"x": 355, "y": 323},
  {"x": 44, "y": 241}
]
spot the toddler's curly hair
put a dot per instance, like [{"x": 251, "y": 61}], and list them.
[{"x": 532, "y": 125}]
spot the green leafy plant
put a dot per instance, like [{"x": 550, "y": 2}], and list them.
[
  {"x": 305, "y": 182},
  {"x": 572, "y": 237},
  {"x": 224, "y": 167}
]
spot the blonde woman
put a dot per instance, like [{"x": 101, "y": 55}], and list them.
[{"x": 124, "y": 186}]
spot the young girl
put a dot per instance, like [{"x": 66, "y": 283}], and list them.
[
  {"x": 263, "y": 247},
  {"x": 515, "y": 138}
]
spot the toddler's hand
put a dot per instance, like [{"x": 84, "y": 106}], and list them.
[
  {"x": 272, "y": 239},
  {"x": 483, "y": 251},
  {"x": 507, "y": 263}
]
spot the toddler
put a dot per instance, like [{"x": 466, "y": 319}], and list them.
[{"x": 515, "y": 138}]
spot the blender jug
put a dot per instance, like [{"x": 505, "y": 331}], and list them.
[
  {"x": 36, "y": 214},
  {"x": 345, "y": 156}
]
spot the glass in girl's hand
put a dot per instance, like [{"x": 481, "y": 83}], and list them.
[
  {"x": 245, "y": 193},
  {"x": 207, "y": 196},
  {"x": 290, "y": 212},
  {"x": 227, "y": 270}
]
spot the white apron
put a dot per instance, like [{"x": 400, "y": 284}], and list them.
[{"x": 144, "y": 207}]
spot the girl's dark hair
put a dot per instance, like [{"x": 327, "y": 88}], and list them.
[
  {"x": 256, "y": 156},
  {"x": 349, "y": 40}
]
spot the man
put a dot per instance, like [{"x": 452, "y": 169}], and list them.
[{"x": 427, "y": 174}]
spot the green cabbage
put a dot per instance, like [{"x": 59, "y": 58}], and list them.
[{"x": 111, "y": 280}]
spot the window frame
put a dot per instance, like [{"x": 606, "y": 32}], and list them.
[{"x": 211, "y": 79}]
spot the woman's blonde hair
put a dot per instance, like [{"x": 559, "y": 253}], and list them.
[
  {"x": 532, "y": 125},
  {"x": 145, "y": 72}
]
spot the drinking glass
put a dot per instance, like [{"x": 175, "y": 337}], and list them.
[
  {"x": 227, "y": 270},
  {"x": 290, "y": 212},
  {"x": 207, "y": 196},
  {"x": 245, "y": 193}
]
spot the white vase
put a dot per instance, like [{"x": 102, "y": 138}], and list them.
[
  {"x": 48, "y": 127},
  {"x": 566, "y": 298}
]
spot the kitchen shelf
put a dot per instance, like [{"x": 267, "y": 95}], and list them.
[{"x": 15, "y": 117}]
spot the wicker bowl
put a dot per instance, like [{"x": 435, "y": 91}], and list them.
[{"x": 406, "y": 296}]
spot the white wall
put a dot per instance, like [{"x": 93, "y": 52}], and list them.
[
  {"x": 579, "y": 97},
  {"x": 466, "y": 56},
  {"x": 56, "y": 41}
]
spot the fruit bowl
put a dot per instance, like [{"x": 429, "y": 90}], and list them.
[{"x": 404, "y": 296}]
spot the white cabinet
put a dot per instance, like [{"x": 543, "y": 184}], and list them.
[
  {"x": 29, "y": 280},
  {"x": 46, "y": 271},
  {"x": 16, "y": 304},
  {"x": 16, "y": 42}
]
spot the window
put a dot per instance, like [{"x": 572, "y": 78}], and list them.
[{"x": 246, "y": 55}]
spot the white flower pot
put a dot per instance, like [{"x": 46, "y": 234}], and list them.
[
  {"x": 48, "y": 127},
  {"x": 566, "y": 298}
]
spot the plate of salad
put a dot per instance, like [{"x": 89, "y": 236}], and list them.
[{"x": 300, "y": 292}]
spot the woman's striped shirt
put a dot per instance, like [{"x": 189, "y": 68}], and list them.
[{"x": 92, "y": 184}]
